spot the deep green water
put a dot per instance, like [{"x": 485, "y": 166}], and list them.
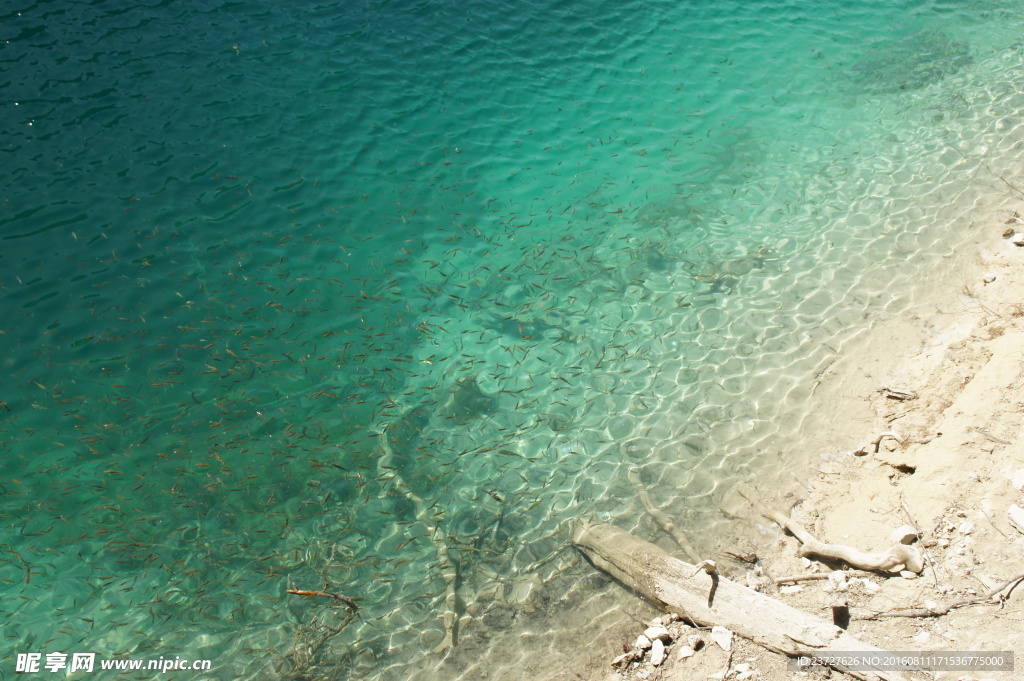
[{"x": 531, "y": 245}]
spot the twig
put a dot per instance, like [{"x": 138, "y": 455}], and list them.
[
  {"x": 707, "y": 566},
  {"x": 309, "y": 641},
  {"x": 820, "y": 575},
  {"x": 877, "y": 442},
  {"x": 996, "y": 595},
  {"x": 728, "y": 662},
  {"x": 743, "y": 557},
  {"x": 992, "y": 437},
  {"x": 802, "y": 578},
  {"x": 990, "y": 522},
  {"x": 350, "y": 602},
  {"x": 660, "y": 517},
  {"x": 910, "y": 517},
  {"x": 982, "y": 163}
]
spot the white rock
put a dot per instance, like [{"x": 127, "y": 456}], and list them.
[
  {"x": 657, "y": 622},
  {"x": 694, "y": 640},
  {"x": 657, "y": 652},
  {"x": 1016, "y": 514},
  {"x": 744, "y": 671},
  {"x": 1017, "y": 239},
  {"x": 907, "y": 574},
  {"x": 791, "y": 589},
  {"x": 643, "y": 673},
  {"x": 837, "y": 580},
  {"x": 642, "y": 642},
  {"x": 723, "y": 637},
  {"x": 685, "y": 652},
  {"x": 624, "y": 657},
  {"x": 905, "y": 534},
  {"x": 657, "y": 632},
  {"x": 870, "y": 586},
  {"x": 1017, "y": 479},
  {"x": 967, "y": 527},
  {"x": 923, "y": 637},
  {"x": 988, "y": 278}
]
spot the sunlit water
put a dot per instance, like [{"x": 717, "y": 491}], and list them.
[{"x": 274, "y": 273}]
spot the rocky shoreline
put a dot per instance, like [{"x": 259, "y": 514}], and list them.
[{"x": 940, "y": 462}]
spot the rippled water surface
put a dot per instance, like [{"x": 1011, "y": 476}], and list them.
[{"x": 378, "y": 295}]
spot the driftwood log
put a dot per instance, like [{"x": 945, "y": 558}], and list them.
[
  {"x": 900, "y": 554},
  {"x": 712, "y": 600}
]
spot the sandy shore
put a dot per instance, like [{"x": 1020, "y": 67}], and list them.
[{"x": 956, "y": 374}]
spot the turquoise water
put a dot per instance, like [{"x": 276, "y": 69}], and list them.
[{"x": 360, "y": 295}]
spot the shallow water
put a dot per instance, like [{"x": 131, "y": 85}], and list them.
[{"x": 250, "y": 248}]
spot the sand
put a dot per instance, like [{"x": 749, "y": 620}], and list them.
[{"x": 955, "y": 472}]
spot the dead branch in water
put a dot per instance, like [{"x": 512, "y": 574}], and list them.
[
  {"x": 350, "y": 602},
  {"x": 660, "y": 517}
]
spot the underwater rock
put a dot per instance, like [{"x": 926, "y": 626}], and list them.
[
  {"x": 656, "y": 260},
  {"x": 911, "y": 63},
  {"x": 558, "y": 422},
  {"x": 726, "y": 275},
  {"x": 529, "y": 329},
  {"x": 492, "y": 592},
  {"x": 403, "y": 436},
  {"x": 403, "y": 433},
  {"x": 467, "y": 401},
  {"x": 527, "y": 593}
]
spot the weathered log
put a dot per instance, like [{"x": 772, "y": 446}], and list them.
[{"x": 712, "y": 600}]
